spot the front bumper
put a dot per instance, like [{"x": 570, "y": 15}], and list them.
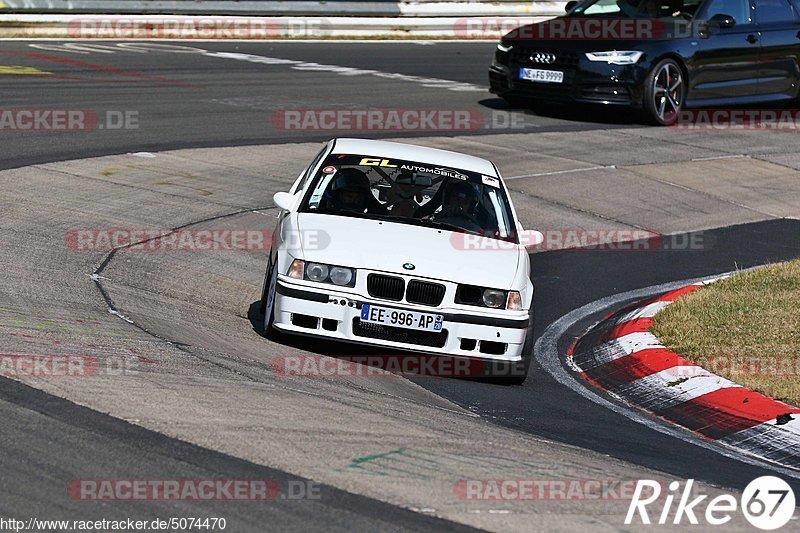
[
  {"x": 335, "y": 314},
  {"x": 584, "y": 81}
]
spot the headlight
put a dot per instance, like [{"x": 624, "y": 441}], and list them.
[
  {"x": 494, "y": 298},
  {"x": 484, "y": 297},
  {"x": 616, "y": 57},
  {"x": 317, "y": 272},
  {"x": 341, "y": 276},
  {"x": 322, "y": 273},
  {"x": 501, "y": 55}
]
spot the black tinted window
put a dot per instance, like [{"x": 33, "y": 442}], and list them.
[
  {"x": 738, "y": 9},
  {"x": 773, "y": 11}
]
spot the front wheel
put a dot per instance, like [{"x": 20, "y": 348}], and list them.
[
  {"x": 664, "y": 93},
  {"x": 268, "y": 298},
  {"x": 505, "y": 373}
]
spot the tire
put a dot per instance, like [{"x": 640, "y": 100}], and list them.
[
  {"x": 505, "y": 373},
  {"x": 267, "y": 305},
  {"x": 664, "y": 93},
  {"x": 267, "y": 273},
  {"x": 519, "y": 371}
]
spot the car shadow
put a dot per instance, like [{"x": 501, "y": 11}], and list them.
[
  {"x": 596, "y": 114},
  {"x": 618, "y": 116},
  {"x": 320, "y": 346}
]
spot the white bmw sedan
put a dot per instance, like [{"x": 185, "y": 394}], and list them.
[{"x": 405, "y": 248}]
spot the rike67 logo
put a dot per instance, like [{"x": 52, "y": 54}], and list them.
[{"x": 768, "y": 503}]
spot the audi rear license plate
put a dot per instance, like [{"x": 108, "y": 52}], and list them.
[
  {"x": 544, "y": 76},
  {"x": 401, "y": 319}
]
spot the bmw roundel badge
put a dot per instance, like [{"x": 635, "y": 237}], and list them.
[{"x": 408, "y": 266}]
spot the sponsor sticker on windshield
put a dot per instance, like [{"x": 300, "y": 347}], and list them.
[
  {"x": 377, "y": 162},
  {"x": 490, "y": 181},
  {"x": 447, "y": 172}
]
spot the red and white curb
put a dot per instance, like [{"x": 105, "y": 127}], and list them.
[{"x": 622, "y": 357}]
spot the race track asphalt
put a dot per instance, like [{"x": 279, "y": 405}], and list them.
[{"x": 189, "y": 100}]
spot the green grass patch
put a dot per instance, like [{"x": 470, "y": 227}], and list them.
[{"x": 745, "y": 328}]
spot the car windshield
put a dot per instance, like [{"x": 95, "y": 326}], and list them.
[
  {"x": 409, "y": 192},
  {"x": 637, "y": 8}
]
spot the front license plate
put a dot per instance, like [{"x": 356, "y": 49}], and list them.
[
  {"x": 401, "y": 319},
  {"x": 544, "y": 76}
]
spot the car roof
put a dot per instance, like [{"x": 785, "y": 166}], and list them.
[{"x": 418, "y": 154}]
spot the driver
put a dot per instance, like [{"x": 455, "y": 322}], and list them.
[
  {"x": 403, "y": 196},
  {"x": 459, "y": 203},
  {"x": 350, "y": 191}
]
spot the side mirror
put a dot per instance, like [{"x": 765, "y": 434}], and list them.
[
  {"x": 720, "y": 20},
  {"x": 530, "y": 239},
  {"x": 284, "y": 200},
  {"x": 570, "y": 5}
]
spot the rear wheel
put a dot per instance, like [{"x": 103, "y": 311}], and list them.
[{"x": 664, "y": 93}]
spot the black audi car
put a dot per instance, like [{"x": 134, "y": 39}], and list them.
[{"x": 658, "y": 56}]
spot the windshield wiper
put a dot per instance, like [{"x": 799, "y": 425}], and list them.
[
  {"x": 342, "y": 213},
  {"x": 399, "y": 218},
  {"x": 449, "y": 227},
  {"x": 423, "y": 222}
]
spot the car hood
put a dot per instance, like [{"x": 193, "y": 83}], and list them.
[{"x": 387, "y": 246}]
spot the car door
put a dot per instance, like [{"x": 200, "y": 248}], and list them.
[
  {"x": 725, "y": 64},
  {"x": 779, "y": 26}
]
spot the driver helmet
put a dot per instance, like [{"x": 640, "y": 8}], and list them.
[
  {"x": 460, "y": 195},
  {"x": 350, "y": 190},
  {"x": 406, "y": 186}
]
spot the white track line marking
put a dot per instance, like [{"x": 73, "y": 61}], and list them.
[
  {"x": 718, "y": 157},
  {"x": 351, "y": 71},
  {"x": 555, "y": 172},
  {"x": 432, "y": 83}
]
